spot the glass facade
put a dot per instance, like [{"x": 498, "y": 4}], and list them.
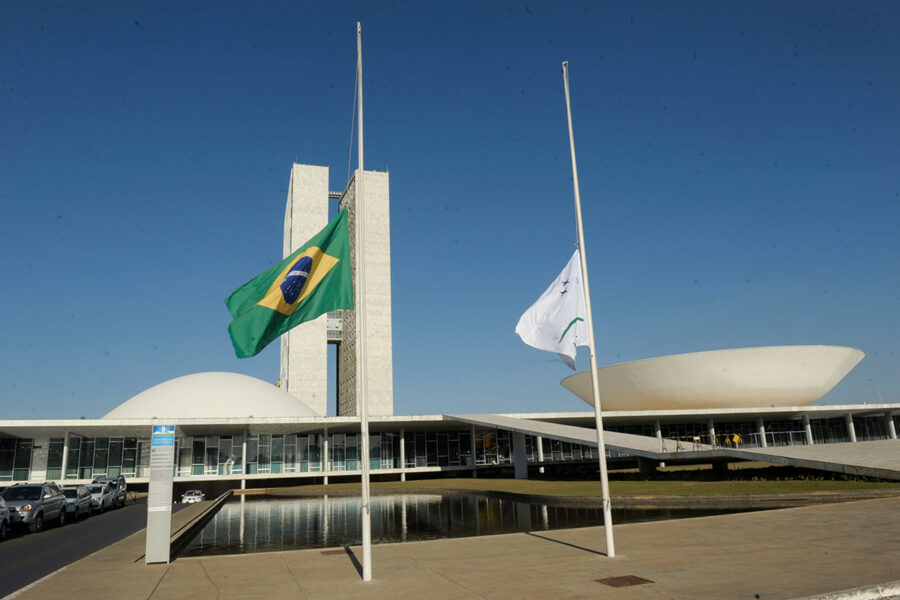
[
  {"x": 107, "y": 457},
  {"x": 55, "y": 458},
  {"x": 334, "y": 453},
  {"x": 15, "y": 459}
]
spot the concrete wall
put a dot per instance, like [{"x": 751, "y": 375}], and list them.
[
  {"x": 40, "y": 450},
  {"x": 377, "y": 298},
  {"x": 304, "y": 350}
]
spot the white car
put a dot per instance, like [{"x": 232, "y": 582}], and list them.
[
  {"x": 4, "y": 518},
  {"x": 191, "y": 496},
  {"x": 102, "y": 496}
]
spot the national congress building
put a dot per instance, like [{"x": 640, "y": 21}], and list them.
[{"x": 235, "y": 431}]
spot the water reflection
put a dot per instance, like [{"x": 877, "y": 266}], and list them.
[{"x": 261, "y": 523}]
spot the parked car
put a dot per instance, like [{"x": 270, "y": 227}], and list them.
[
  {"x": 191, "y": 496},
  {"x": 78, "y": 501},
  {"x": 4, "y": 518},
  {"x": 102, "y": 496},
  {"x": 34, "y": 504},
  {"x": 119, "y": 487}
]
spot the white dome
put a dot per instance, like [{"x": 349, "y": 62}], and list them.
[
  {"x": 211, "y": 396},
  {"x": 738, "y": 378}
]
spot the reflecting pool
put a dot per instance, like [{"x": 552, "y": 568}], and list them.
[{"x": 265, "y": 523}]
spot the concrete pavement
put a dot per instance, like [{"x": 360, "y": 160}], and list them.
[{"x": 778, "y": 554}]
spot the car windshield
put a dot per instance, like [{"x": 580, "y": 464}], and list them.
[
  {"x": 70, "y": 493},
  {"x": 97, "y": 489},
  {"x": 21, "y": 493}
]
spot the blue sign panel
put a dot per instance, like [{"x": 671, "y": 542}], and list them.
[{"x": 163, "y": 435}]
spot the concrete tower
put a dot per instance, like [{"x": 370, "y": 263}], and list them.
[{"x": 304, "y": 358}]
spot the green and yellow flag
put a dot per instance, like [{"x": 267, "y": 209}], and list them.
[{"x": 310, "y": 282}]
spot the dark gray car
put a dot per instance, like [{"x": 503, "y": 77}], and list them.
[{"x": 34, "y": 504}]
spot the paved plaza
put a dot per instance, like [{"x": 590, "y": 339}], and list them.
[{"x": 787, "y": 553}]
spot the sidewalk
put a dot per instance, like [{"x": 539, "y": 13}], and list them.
[{"x": 788, "y": 553}]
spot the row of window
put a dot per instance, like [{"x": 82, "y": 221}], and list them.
[
  {"x": 787, "y": 432},
  {"x": 303, "y": 452},
  {"x": 271, "y": 453}
]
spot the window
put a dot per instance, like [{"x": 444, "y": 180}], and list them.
[
  {"x": 22, "y": 462},
  {"x": 54, "y": 458}
]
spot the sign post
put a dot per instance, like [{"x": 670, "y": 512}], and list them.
[{"x": 159, "y": 498}]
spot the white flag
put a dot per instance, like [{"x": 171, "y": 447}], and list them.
[{"x": 556, "y": 322}]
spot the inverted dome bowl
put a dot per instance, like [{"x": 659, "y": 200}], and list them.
[{"x": 738, "y": 378}]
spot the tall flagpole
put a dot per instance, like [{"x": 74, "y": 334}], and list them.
[
  {"x": 604, "y": 478},
  {"x": 361, "y": 345}
]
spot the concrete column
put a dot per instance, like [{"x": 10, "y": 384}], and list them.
[
  {"x": 474, "y": 468},
  {"x": 244, "y": 459},
  {"x": 65, "y": 457},
  {"x": 325, "y": 457},
  {"x": 892, "y": 429},
  {"x": 808, "y": 427},
  {"x": 851, "y": 429},
  {"x": 520, "y": 458},
  {"x": 711, "y": 426},
  {"x": 402, "y": 454},
  {"x": 761, "y": 427},
  {"x": 657, "y": 426},
  {"x": 646, "y": 466},
  {"x": 540, "y": 450}
]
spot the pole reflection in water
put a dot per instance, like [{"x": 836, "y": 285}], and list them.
[
  {"x": 243, "y": 511},
  {"x": 403, "y": 530},
  {"x": 325, "y": 521},
  {"x": 265, "y": 523}
]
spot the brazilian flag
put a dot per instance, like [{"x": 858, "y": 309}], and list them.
[{"x": 310, "y": 282}]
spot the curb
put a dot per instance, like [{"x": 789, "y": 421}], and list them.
[
  {"x": 180, "y": 537},
  {"x": 881, "y": 591},
  {"x": 731, "y": 501}
]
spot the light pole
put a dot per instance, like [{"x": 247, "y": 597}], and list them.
[{"x": 878, "y": 389}]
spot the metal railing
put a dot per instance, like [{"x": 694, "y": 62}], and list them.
[{"x": 693, "y": 443}]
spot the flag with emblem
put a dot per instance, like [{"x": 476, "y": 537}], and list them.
[
  {"x": 310, "y": 282},
  {"x": 556, "y": 321}
]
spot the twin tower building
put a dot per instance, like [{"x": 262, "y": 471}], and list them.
[{"x": 304, "y": 349}]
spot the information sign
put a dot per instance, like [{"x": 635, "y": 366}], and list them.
[{"x": 159, "y": 497}]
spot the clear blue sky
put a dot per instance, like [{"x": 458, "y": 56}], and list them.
[{"x": 738, "y": 161}]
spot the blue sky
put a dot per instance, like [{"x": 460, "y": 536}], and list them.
[{"x": 737, "y": 161}]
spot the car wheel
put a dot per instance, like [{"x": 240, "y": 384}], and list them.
[
  {"x": 62, "y": 517},
  {"x": 2, "y": 530},
  {"x": 37, "y": 524}
]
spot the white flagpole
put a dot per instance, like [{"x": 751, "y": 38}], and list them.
[
  {"x": 601, "y": 448},
  {"x": 361, "y": 332}
]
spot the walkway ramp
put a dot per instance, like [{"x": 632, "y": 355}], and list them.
[
  {"x": 879, "y": 458},
  {"x": 636, "y": 445}
]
